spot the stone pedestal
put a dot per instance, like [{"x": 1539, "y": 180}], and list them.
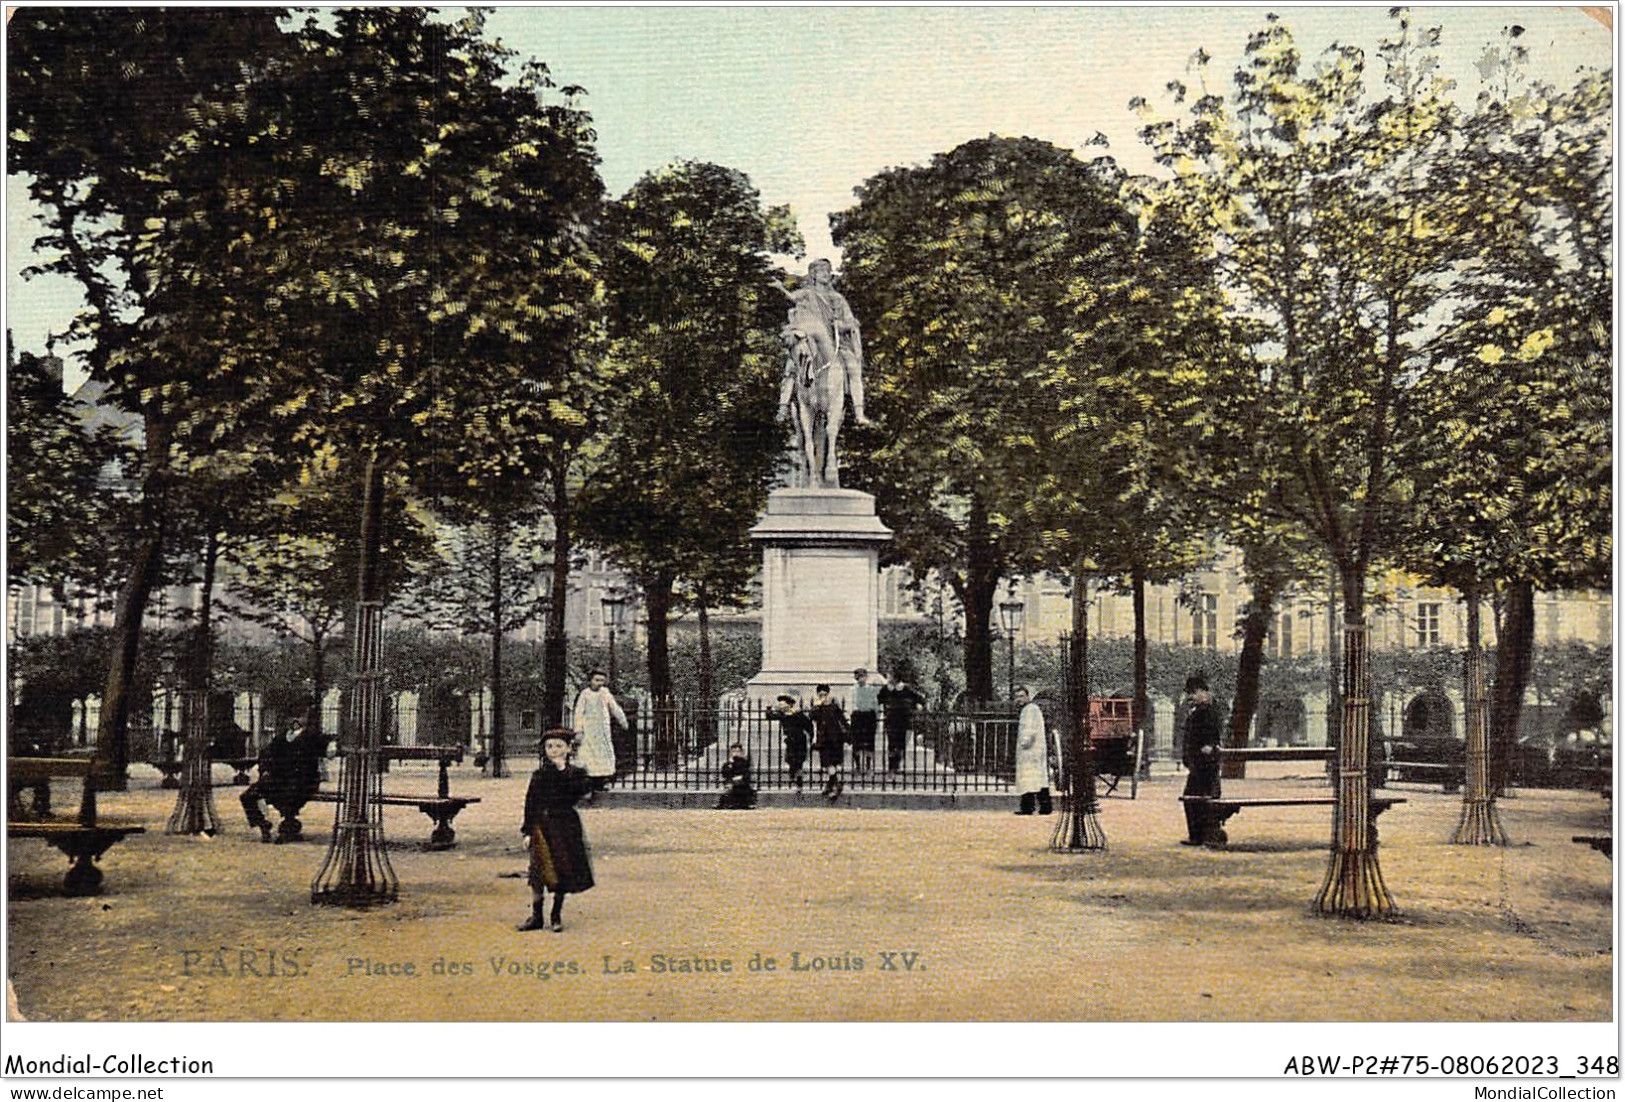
[{"x": 820, "y": 591}]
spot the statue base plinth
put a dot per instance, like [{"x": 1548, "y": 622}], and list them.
[{"x": 820, "y": 591}]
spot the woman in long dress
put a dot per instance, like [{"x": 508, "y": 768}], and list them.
[{"x": 558, "y": 846}]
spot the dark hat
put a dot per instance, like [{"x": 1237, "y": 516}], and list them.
[
  {"x": 1196, "y": 683},
  {"x": 562, "y": 733}
]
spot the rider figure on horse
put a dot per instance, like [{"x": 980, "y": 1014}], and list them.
[{"x": 819, "y": 298}]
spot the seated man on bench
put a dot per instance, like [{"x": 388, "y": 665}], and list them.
[{"x": 289, "y": 775}]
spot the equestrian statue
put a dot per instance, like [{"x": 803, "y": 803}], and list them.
[{"x": 823, "y": 368}]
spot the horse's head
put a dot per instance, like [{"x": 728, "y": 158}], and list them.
[{"x": 802, "y": 349}]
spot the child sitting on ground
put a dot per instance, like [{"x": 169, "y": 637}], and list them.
[{"x": 739, "y": 795}]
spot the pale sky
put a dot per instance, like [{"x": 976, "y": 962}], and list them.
[{"x": 811, "y": 101}]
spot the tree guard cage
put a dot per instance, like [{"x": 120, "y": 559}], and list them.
[
  {"x": 356, "y": 871},
  {"x": 1480, "y": 823},
  {"x": 1077, "y": 827},
  {"x": 1354, "y": 887},
  {"x": 194, "y": 804}
]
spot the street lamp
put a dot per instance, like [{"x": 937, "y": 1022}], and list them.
[
  {"x": 614, "y": 602},
  {"x": 1011, "y": 614}
]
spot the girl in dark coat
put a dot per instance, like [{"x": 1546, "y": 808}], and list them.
[{"x": 558, "y": 847}]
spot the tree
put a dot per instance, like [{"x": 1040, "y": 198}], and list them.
[
  {"x": 96, "y": 99},
  {"x": 488, "y": 578},
  {"x": 1126, "y": 486},
  {"x": 390, "y": 248},
  {"x": 1515, "y": 458},
  {"x": 959, "y": 271},
  {"x": 693, "y": 308},
  {"x": 1334, "y": 221},
  {"x": 291, "y": 567},
  {"x": 56, "y": 506}
]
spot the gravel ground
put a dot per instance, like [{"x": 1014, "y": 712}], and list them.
[{"x": 865, "y": 915}]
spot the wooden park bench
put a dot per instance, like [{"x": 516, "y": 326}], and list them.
[
  {"x": 1217, "y": 810},
  {"x": 1602, "y": 843},
  {"x": 84, "y": 838},
  {"x": 171, "y": 770},
  {"x": 441, "y": 808}
]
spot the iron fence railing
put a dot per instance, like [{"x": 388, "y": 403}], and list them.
[{"x": 682, "y": 744}]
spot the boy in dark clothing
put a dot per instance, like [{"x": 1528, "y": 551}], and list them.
[
  {"x": 898, "y": 701},
  {"x": 739, "y": 795},
  {"x": 829, "y": 722},
  {"x": 797, "y": 728}
]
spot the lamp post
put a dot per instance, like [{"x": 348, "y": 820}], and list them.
[
  {"x": 1011, "y": 614},
  {"x": 614, "y": 602}
]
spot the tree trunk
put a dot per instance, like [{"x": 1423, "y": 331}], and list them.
[
  {"x": 1480, "y": 823},
  {"x": 113, "y": 726},
  {"x": 980, "y": 588},
  {"x": 356, "y": 871},
  {"x": 318, "y": 680},
  {"x": 1354, "y": 887},
  {"x": 1334, "y": 666},
  {"x": 496, "y": 762},
  {"x": 202, "y": 656},
  {"x": 194, "y": 811},
  {"x": 1141, "y": 708},
  {"x": 1514, "y": 652},
  {"x": 554, "y": 643},
  {"x": 1249, "y": 671},
  {"x": 657, "y": 595},
  {"x": 1078, "y": 677},
  {"x": 657, "y": 592},
  {"x": 1079, "y": 827},
  {"x": 707, "y": 676}
]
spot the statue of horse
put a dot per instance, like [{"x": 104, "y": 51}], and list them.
[{"x": 819, "y": 396}]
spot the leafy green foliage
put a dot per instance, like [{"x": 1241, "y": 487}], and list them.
[
  {"x": 960, "y": 272},
  {"x": 693, "y": 309},
  {"x": 60, "y": 517},
  {"x": 1514, "y": 470},
  {"x": 97, "y": 100},
  {"x": 1333, "y": 219}
]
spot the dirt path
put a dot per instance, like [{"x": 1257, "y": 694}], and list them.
[{"x": 830, "y": 914}]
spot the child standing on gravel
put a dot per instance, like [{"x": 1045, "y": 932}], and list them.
[{"x": 558, "y": 845}]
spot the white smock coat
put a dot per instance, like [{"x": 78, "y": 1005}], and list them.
[
  {"x": 596, "y": 753},
  {"x": 1032, "y": 751}
]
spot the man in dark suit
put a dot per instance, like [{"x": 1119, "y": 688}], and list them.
[
  {"x": 1200, "y": 753},
  {"x": 290, "y": 773}
]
